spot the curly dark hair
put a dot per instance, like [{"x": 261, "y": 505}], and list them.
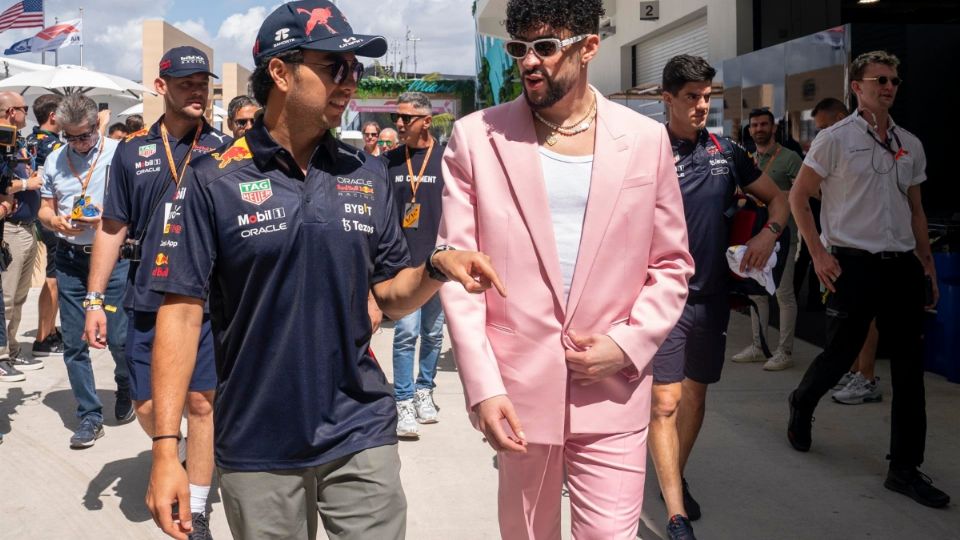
[
  {"x": 577, "y": 16},
  {"x": 260, "y": 81}
]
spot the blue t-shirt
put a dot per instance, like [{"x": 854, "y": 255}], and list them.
[
  {"x": 421, "y": 239},
  {"x": 286, "y": 263},
  {"x": 141, "y": 192},
  {"x": 708, "y": 183}
]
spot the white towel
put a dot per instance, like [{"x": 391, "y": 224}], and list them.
[{"x": 764, "y": 277}]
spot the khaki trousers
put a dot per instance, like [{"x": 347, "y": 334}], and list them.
[{"x": 16, "y": 278}]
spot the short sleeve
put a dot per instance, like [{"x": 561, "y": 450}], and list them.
[
  {"x": 793, "y": 167},
  {"x": 116, "y": 201},
  {"x": 919, "y": 166},
  {"x": 187, "y": 252},
  {"x": 391, "y": 252},
  {"x": 822, "y": 157},
  {"x": 47, "y": 190},
  {"x": 745, "y": 169}
]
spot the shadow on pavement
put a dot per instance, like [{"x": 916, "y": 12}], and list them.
[
  {"x": 8, "y": 405},
  {"x": 64, "y": 404},
  {"x": 446, "y": 361},
  {"x": 133, "y": 475}
]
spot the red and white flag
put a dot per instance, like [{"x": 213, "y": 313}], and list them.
[
  {"x": 24, "y": 14},
  {"x": 53, "y": 37}
]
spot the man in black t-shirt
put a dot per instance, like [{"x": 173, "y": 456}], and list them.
[{"x": 415, "y": 170}]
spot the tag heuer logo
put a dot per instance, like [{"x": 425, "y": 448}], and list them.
[
  {"x": 256, "y": 192},
  {"x": 148, "y": 150}
]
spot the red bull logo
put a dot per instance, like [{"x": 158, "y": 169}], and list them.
[
  {"x": 239, "y": 151},
  {"x": 162, "y": 259},
  {"x": 318, "y": 16}
]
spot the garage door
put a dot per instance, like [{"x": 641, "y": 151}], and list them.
[{"x": 652, "y": 54}]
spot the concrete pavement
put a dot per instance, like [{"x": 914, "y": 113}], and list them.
[{"x": 751, "y": 484}]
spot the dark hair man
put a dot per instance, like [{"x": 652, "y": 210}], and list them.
[
  {"x": 873, "y": 259},
  {"x": 828, "y": 112},
  {"x": 415, "y": 170},
  {"x": 46, "y": 135},
  {"x": 287, "y": 230},
  {"x": 117, "y": 131},
  {"x": 781, "y": 165},
  {"x": 241, "y": 113},
  {"x": 371, "y": 134},
  {"x": 576, "y": 200},
  {"x": 18, "y": 235},
  {"x": 388, "y": 140},
  {"x": 709, "y": 169},
  {"x": 74, "y": 182},
  {"x": 134, "y": 123},
  {"x": 144, "y": 192}
]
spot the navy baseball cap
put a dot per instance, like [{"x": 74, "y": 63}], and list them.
[
  {"x": 316, "y": 25},
  {"x": 184, "y": 61}
]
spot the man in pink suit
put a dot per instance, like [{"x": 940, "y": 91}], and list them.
[{"x": 576, "y": 202}]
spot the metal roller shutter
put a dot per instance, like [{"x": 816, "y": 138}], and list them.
[{"x": 652, "y": 54}]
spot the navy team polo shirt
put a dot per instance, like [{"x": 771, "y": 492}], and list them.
[
  {"x": 286, "y": 263},
  {"x": 140, "y": 179},
  {"x": 708, "y": 182}
]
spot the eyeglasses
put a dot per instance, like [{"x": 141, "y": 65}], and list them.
[
  {"x": 79, "y": 138},
  {"x": 340, "y": 68},
  {"x": 243, "y": 122},
  {"x": 372, "y": 134},
  {"x": 543, "y": 48},
  {"x": 883, "y": 80},
  {"x": 407, "y": 118},
  {"x": 22, "y": 108}
]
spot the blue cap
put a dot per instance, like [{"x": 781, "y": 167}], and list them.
[
  {"x": 184, "y": 61},
  {"x": 315, "y": 25}
]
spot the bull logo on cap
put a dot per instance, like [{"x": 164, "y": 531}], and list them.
[{"x": 318, "y": 16}]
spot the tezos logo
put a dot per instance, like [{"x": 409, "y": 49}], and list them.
[{"x": 281, "y": 34}]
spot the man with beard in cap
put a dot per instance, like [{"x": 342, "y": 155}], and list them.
[{"x": 286, "y": 231}]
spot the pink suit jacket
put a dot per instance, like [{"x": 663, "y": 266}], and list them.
[{"x": 630, "y": 279}]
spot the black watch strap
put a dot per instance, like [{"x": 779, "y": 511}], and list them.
[{"x": 432, "y": 271}]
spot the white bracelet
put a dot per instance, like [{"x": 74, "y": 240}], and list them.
[{"x": 23, "y": 184}]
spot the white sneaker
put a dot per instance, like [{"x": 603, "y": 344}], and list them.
[
  {"x": 751, "y": 353},
  {"x": 778, "y": 362},
  {"x": 844, "y": 381},
  {"x": 407, "y": 420},
  {"x": 860, "y": 390},
  {"x": 425, "y": 407}
]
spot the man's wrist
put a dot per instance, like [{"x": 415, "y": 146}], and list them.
[{"x": 434, "y": 272}]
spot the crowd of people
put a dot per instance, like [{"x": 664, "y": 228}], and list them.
[{"x": 174, "y": 245}]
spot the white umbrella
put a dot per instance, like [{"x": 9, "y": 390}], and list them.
[
  {"x": 219, "y": 115},
  {"x": 68, "y": 79}
]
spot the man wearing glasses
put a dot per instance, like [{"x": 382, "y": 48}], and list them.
[
  {"x": 144, "y": 193},
  {"x": 241, "y": 113},
  {"x": 286, "y": 232},
  {"x": 576, "y": 201},
  {"x": 73, "y": 190},
  {"x": 371, "y": 136},
  {"x": 388, "y": 140},
  {"x": 874, "y": 258},
  {"x": 415, "y": 170}
]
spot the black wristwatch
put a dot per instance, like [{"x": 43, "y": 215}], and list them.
[
  {"x": 431, "y": 269},
  {"x": 774, "y": 227}
]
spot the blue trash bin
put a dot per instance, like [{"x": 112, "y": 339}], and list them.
[{"x": 942, "y": 333}]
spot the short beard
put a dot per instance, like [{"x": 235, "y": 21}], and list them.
[
  {"x": 556, "y": 90},
  {"x": 769, "y": 138}
]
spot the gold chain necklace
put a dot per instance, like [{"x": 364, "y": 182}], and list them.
[{"x": 568, "y": 131}]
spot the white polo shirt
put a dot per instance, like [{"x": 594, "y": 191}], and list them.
[{"x": 865, "y": 184}]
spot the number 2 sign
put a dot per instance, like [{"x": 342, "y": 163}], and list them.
[{"x": 650, "y": 11}]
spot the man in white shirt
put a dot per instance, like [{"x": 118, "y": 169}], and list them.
[{"x": 874, "y": 259}]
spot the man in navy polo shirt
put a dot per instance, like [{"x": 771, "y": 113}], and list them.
[
  {"x": 285, "y": 232},
  {"x": 142, "y": 195}
]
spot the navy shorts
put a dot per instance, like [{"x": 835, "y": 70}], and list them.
[
  {"x": 50, "y": 240},
  {"x": 140, "y": 330},
  {"x": 696, "y": 346}
]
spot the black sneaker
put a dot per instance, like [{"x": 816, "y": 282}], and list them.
[
  {"x": 201, "y": 527},
  {"x": 689, "y": 504},
  {"x": 25, "y": 364},
  {"x": 800, "y": 426},
  {"x": 52, "y": 345},
  {"x": 8, "y": 373},
  {"x": 89, "y": 431},
  {"x": 917, "y": 486},
  {"x": 679, "y": 528},
  {"x": 123, "y": 408}
]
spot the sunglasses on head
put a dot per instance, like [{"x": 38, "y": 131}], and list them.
[
  {"x": 407, "y": 118},
  {"x": 79, "y": 138},
  {"x": 543, "y": 48},
  {"x": 340, "y": 68},
  {"x": 883, "y": 80}
]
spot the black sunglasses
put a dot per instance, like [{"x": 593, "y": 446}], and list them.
[
  {"x": 407, "y": 118},
  {"x": 243, "y": 122},
  {"x": 22, "y": 108},
  {"x": 883, "y": 80},
  {"x": 79, "y": 138},
  {"x": 340, "y": 68}
]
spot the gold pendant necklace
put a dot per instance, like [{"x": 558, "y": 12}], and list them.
[{"x": 552, "y": 139}]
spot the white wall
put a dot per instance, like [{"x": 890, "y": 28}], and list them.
[{"x": 610, "y": 72}]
